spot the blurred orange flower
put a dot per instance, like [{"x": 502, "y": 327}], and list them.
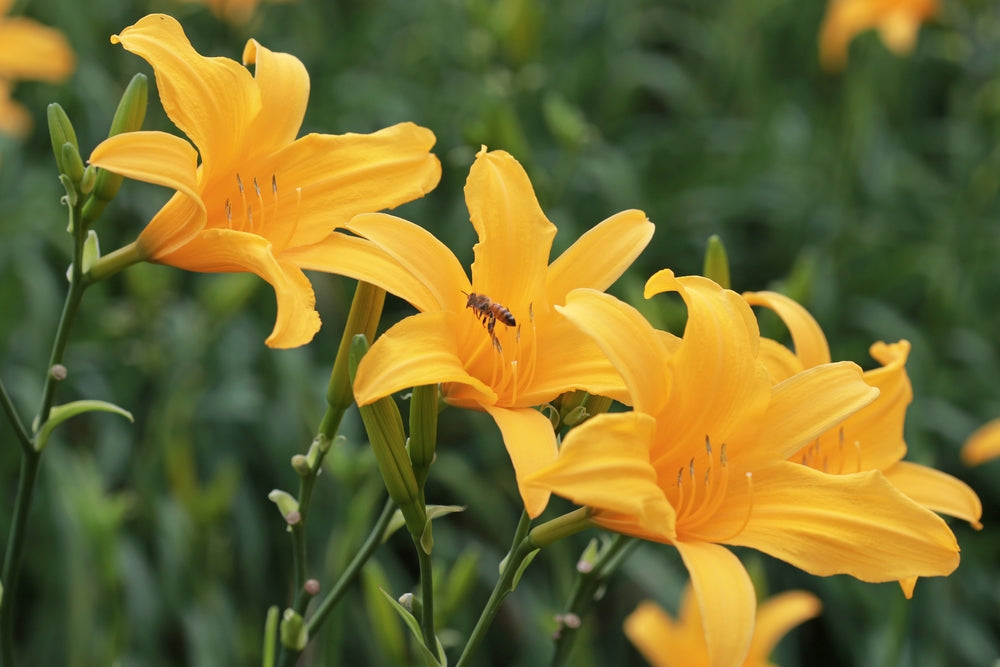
[
  {"x": 28, "y": 51},
  {"x": 983, "y": 445},
  {"x": 897, "y": 22},
  {"x": 235, "y": 12},
  {"x": 666, "y": 642},
  {"x": 259, "y": 193}
]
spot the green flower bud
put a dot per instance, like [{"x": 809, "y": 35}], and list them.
[
  {"x": 716, "y": 262},
  {"x": 576, "y": 416},
  {"x": 384, "y": 426},
  {"x": 60, "y": 132},
  {"x": 89, "y": 180},
  {"x": 423, "y": 429},
  {"x": 285, "y": 502},
  {"x": 91, "y": 251},
  {"x": 72, "y": 164},
  {"x": 128, "y": 117},
  {"x": 293, "y": 631}
]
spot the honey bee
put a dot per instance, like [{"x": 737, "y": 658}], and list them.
[{"x": 489, "y": 312}]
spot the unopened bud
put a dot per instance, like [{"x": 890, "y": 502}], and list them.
[
  {"x": 717, "y": 262},
  {"x": 72, "y": 163},
  {"x": 311, "y": 587},
  {"x": 293, "y": 518},
  {"x": 285, "y": 502},
  {"x": 91, "y": 251},
  {"x": 60, "y": 132},
  {"x": 58, "y": 372},
  {"x": 293, "y": 631},
  {"x": 406, "y": 601},
  {"x": 128, "y": 117},
  {"x": 301, "y": 465},
  {"x": 576, "y": 416}
]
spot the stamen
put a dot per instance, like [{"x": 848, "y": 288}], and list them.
[
  {"x": 260, "y": 199},
  {"x": 229, "y": 213},
  {"x": 746, "y": 518},
  {"x": 708, "y": 446}
]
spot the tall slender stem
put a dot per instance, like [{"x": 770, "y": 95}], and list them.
[
  {"x": 426, "y": 597},
  {"x": 520, "y": 549},
  {"x": 15, "y": 420},
  {"x": 12, "y": 557}
]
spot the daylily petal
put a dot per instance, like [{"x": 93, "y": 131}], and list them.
[
  {"x": 775, "y": 617},
  {"x": 531, "y": 444},
  {"x": 362, "y": 260},
  {"x": 983, "y": 445},
  {"x": 807, "y": 336},
  {"x": 426, "y": 259},
  {"x": 604, "y": 464},
  {"x": 416, "y": 351},
  {"x": 226, "y": 250},
  {"x": 600, "y": 256},
  {"x": 802, "y": 408},
  {"x": 515, "y": 237},
  {"x": 343, "y": 175},
  {"x": 568, "y": 359},
  {"x": 726, "y": 598},
  {"x": 855, "y": 524},
  {"x": 33, "y": 51},
  {"x": 284, "y": 93},
  {"x": 190, "y": 84},
  {"x": 151, "y": 157},
  {"x": 937, "y": 491},
  {"x": 722, "y": 383},
  {"x": 781, "y": 363},
  {"x": 664, "y": 643},
  {"x": 629, "y": 342},
  {"x": 14, "y": 118}
]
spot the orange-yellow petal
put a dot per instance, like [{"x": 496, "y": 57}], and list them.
[
  {"x": 775, "y": 617},
  {"x": 151, "y": 157},
  {"x": 718, "y": 384},
  {"x": 427, "y": 260},
  {"x": 781, "y": 363},
  {"x": 216, "y": 250},
  {"x": 726, "y": 600},
  {"x": 807, "y": 336},
  {"x": 604, "y": 464},
  {"x": 566, "y": 358},
  {"x": 343, "y": 175},
  {"x": 362, "y": 260},
  {"x": 802, "y": 408},
  {"x": 212, "y": 100},
  {"x": 937, "y": 491},
  {"x": 600, "y": 256},
  {"x": 420, "y": 349},
  {"x": 629, "y": 342},
  {"x": 856, "y": 524},
  {"x": 30, "y": 50},
  {"x": 983, "y": 445},
  {"x": 284, "y": 92},
  {"x": 531, "y": 444},
  {"x": 515, "y": 237},
  {"x": 664, "y": 643},
  {"x": 14, "y": 118}
]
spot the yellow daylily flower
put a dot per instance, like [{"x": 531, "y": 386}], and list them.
[
  {"x": 701, "y": 461},
  {"x": 503, "y": 362},
  {"x": 872, "y": 438},
  {"x": 28, "y": 51},
  {"x": 235, "y": 12},
  {"x": 983, "y": 445},
  {"x": 259, "y": 194},
  {"x": 897, "y": 21},
  {"x": 666, "y": 642}
]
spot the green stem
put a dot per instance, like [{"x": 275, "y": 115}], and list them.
[
  {"x": 427, "y": 597},
  {"x": 520, "y": 549},
  {"x": 15, "y": 421},
  {"x": 585, "y": 589},
  {"x": 12, "y": 557},
  {"x": 30, "y": 461},
  {"x": 110, "y": 264}
]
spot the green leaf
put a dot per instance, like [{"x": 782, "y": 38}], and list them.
[
  {"x": 433, "y": 512},
  {"x": 61, "y": 413},
  {"x": 440, "y": 660},
  {"x": 522, "y": 567}
]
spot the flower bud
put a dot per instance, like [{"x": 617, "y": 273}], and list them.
[
  {"x": 384, "y": 426},
  {"x": 128, "y": 117},
  {"x": 60, "y": 132},
  {"x": 285, "y": 502},
  {"x": 717, "y": 262},
  {"x": 300, "y": 463},
  {"x": 72, "y": 163},
  {"x": 423, "y": 429},
  {"x": 293, "y": 631}
]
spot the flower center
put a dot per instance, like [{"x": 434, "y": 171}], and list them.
[
  {"x": 701, "y": 488},
  {"x": 506, "y": 357},
  {"x": 255, "y": 209}
]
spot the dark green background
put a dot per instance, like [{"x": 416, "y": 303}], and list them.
[{"x": 869, "y": 195}]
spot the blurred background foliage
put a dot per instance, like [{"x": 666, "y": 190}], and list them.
[{"x": 870, "y": 195}]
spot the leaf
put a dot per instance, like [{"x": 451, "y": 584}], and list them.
[
  {"x": 433, "y": 512},
  {"x": 61, "y": 413}
]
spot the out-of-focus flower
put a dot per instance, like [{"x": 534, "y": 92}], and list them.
[
  {"x": 897, "y": 22},
  {"x": 668, "y": 642},
  {"x": 983, "y": 445},
  {"x": 259, "y": 194},
  {"x": 235, "y": 12},
  {"x": 28, "y": 51},
  {"x": 702, "y": 460},
  {"x": 495, "y": 343}
]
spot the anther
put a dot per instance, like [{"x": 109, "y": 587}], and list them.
[
  {"x": 256, "y": 186},
  {"x": 274, "y": 185},
  {"x": 708, "y": 447},
  {"x": 229, "y": 213},
  {"x": 722, "y": 454},
  {"x": 239, "y": 182}
]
